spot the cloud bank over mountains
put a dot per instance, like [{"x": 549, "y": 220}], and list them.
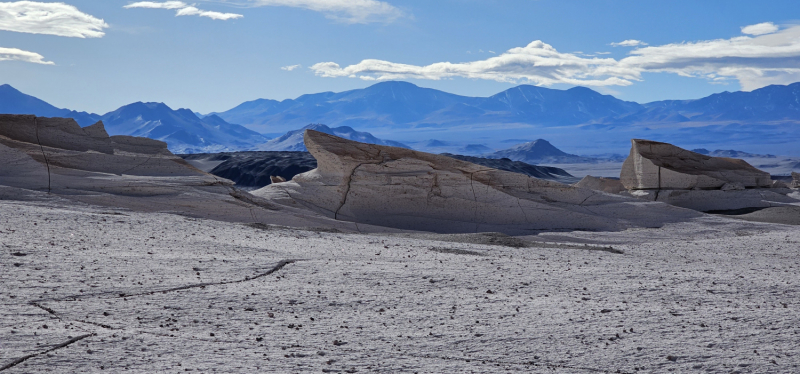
[{"x": 766, "y": 55}]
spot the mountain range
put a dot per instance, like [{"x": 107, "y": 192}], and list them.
[
  {"x": 293, "y": 140},
  {"x": 766, "y": 120}
]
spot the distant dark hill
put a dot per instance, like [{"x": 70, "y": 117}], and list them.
[
  {"x": 13, "y": 101},
  {"x": 539, "y": 151},
  {"x": 252, "y": 170},
  {"x": 730, "y": 153},
  {"x": 293, "y": 140},
  {"x": 405, "y": 105},
  {"x": 541, "y": 172},
  {"x": 181, "y": 129}
]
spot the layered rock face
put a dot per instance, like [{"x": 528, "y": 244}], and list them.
[
  {"x": 657, "y": 171},
  {"x": 402, "y": 188},
  {"x": 795, "y": 180},
  {"x": 56, "y": 154},
  {"x": 656, "y": 165}
]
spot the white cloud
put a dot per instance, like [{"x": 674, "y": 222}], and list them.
[
  {"x": 628, "y": 43},
  {"x": 49, "y": 18},
  {"x": 536, "y": 63},
  {"x": 760, "y": 29},
  {"x": 183, "y": 9},
  {"x": 157, "y": 5},
  {"x": 14, "y": 54},
  {"x": 349, "y": 11},
  {"x": 753, "y": 61},
  {"x": 290, "y": 67},
  {"x": 192, "y": 11}
]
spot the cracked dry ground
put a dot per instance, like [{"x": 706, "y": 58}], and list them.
[{"x": 86, "y": 289}]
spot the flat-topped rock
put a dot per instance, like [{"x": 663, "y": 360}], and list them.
[
  {"x": 407, "y": 189},
  {"x": 656, "y": 165}
]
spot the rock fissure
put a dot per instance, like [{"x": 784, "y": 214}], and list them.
[
  {"x": 280, "y": 265},
  {"x": 56, "y": 347},
  {"x": 346, "y": 191},
  {"x": 46, "y": 162}
]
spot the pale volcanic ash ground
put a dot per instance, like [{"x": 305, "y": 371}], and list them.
[{"x": 97, "y": 289}]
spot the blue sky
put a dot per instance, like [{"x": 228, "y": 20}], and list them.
[{"x": 98, "y": 55}]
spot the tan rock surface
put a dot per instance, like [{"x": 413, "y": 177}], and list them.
[
  {"x": 601, "y": 184},
  {"x": 656, "y": 165},
  {"x": 57, "y": 157},
  {"x": 402, "y": 188}
]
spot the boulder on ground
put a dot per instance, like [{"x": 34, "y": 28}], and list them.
[
  {"x": 655, "y": 165},
  {"x": 609, "y": 185},
  {"x": 407, "y": 189}
]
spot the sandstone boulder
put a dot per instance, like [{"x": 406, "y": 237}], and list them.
[
  {"x": 655, "y": 165},
  {"x": 601, "y": 184},
  {"x": 407, "y": 189}
]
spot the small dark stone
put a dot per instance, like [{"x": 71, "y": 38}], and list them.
[
  {"x": 19, "y": 254},
  {"x": 672, "y": 358},
  {"x": 258, "y": 339},
  {"x": 489, "y": 291},
  {"x": 211, "y": 334},
  {"x": 605, "y": 311}
]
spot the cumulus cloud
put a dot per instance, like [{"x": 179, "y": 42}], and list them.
[
  {"x": 349, "y": 11},
  {"x": 628, "y": 43},
  {"x": 538, "y": 63},
  {"x": 183, "y": 9},
  {"x": 14, "y": 54},
  {"x": 290, "y": 67},
  {"x": 49, "y": 18},
  {"x": 755, "y": 61},
  {"x": 760, "y": 29}
]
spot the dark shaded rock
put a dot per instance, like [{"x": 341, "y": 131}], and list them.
[
  {"x": 541, "y": 172},
  {"x": 254, "y": 169}
]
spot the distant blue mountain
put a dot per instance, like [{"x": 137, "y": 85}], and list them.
[
  {"x": 14, "y": 102},
  {"x": 181, "y": 129},
  {"x": 293, "y": 140},
  {"x": 402, "y": 104},
  {"x": 771, "y": 103}
]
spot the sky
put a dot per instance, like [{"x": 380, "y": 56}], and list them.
[{"x": 96, "y": 56}]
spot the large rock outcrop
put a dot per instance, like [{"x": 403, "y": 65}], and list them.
[
  {"x": 662, "y": 172},
  {"x": 654, "y": 165},
  {"x": 56, "y": 154},
  {"x": 402, "y": 188},
  {"x": 795, "y": 180}
]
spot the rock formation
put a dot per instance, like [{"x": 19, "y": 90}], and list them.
[
  {"x": 795, "y": 180},
  {"x": 657, "y": 171},
  {"x": 601, "y": 184},
  {"x": 57, "y": 154},
  {"x": 402, "y": 188},
  {"x": 655, "y": 165}
]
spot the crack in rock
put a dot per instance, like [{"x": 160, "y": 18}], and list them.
[
  {"x": 56, "y": 347},
  {"x": 280, "y": 265}
]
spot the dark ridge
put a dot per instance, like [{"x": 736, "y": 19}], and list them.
[{"x": 541, "y": 172}]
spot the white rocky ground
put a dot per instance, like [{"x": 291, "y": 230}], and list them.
[{"x": 98, "y": 289}]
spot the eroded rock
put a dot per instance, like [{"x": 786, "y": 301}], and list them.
[
  {"x": 795, "y": 180},
  {"x": 402, "y": 188},
  {"x": 601, "y": 184},
  {"x": 656, "y": 165}
]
